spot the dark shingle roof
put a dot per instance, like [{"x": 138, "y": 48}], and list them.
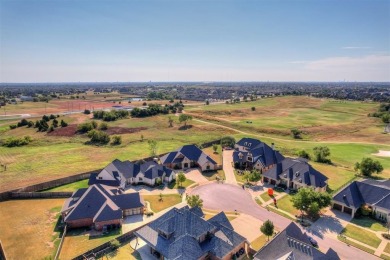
[
  {"x": 192, "y": 152},
  {"x": 297, "y": 170},
  {"x": 293, "y": 243},
  {"x": 184, "y": 227},
  {"x": 100, "y": 204},
  {"x": 359, "y": 192}
]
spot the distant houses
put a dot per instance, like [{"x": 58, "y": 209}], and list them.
[
  {"x": 372, "y": 194},
  {"x": 185, "y": 234},
  {"x": 189, "y": 156},
  {"x": 100, "y": 207},
  {"x": 251, "y": 153},
  {"x": 294, "y": 174}
]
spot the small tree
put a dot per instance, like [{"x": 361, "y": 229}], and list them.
[
  {"x": 142, "y": 138},
  {"x": 170, "y": 121},
  {"x": 321, "y": 153},
  {"x": 267, "y": 228},
  {"x": 194, "y": 201},
  {"x": 296, "y": 133},
  {"x": 161, "y": 197},
  {"x": 253, "y": 108},
  {"x": 87, "y": 111},
  {"x": 306, "y": 198},
  {"x": 207, "y": 102},
  {"x": 184, "y": 118},
  {"x": 103, "y": 126},
  {"x": 228, "y": 141},
  {"x": 116, "y": 140},
  {"x": 63, "y": 123},
  {"x": 180, "y": 179},
  {"x": 368, "y": 166},
  {"x": 153, "y": 147},
  {"x": 55, "y": 123},
  {"x": 215, "y": 148},
  {"x": 304, "y": 154}
]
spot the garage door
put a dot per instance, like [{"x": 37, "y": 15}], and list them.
[
  {"x": 337, "y": 206},
  {"x": 348, "y": 210}
]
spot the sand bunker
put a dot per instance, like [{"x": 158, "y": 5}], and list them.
[{"x": 382, "y": 153}]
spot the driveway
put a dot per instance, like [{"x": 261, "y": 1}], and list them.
[
  {"x": 228, "y": 167},
  {"x": 196, "y": 176},
  {"x": 247, "y": 226}
]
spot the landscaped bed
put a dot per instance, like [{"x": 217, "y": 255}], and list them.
[
  {"x": 168, "y": 200},
  {"x": 359, "y": 234},
  {"x": 29, "y": 228}
]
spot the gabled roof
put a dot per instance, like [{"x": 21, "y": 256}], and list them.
[
  {"x": 99, "y": 203},
  {"x": 184, "y": 227},
  {"x": 291, "y": 243},
  {"x": 297, "y": 170},
  {"x": 249, "y": 142},
  {"x": 367, "y": 191},
  {"x": 192, "y": 152}
]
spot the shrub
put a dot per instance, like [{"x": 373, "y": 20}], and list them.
[
  {"x": 55, "y": 123},
  {"x": 22, "y": 122},
  {"x": 30, "y": 124},
  {"x": 296, "y": 133},
  {"x": 99, "y": 137},
  {"x": 116, "y": 140},
  {"x": 46, "y": 118},
  {"x": 114, "y": 244},
  {"x": 87, "y": 111},
  {"x": 387, "y": 236},
  {"x": 253, "y": 108},
  {"x": 13, "y": 126},
  {"x": 52, "y": 116},
  {"x": 63, "y": 123},
  {"x": 13, "y": 142},
  {"x": 86, "y": 127},
  {"x": 103, "y": 126},
  {"x": 321, "y": 153},
  {"x": 51, "y": 129},
  {"x": 304, "y": 154}
]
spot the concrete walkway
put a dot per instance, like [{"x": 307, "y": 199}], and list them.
[{"x": 228, "y": 167}]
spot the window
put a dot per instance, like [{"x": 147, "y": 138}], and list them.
[
  {"x": 249, "y": 159},
  {"x": 100, "y": 178}
]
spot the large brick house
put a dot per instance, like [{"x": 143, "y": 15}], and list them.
[
  {"x": 120, "y": 174},
  {"x": 185, "y": 234},
  {"x": 189, "y": 156},
  {"x": 100, "y": 206},
  {"x": 295, "y": 174},
  {"x": 252, "y": 153}
]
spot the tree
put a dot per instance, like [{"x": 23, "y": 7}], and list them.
[
  {"x": 321, "y": 153},
  {"x": 116, "y": 140},
  {"x": 99, "y": 137},
  {"x": 368, "y": 166},
  {"x": 228, "y": 141},
  {"x": 267, "y": 228},
  {"x": 386, "y": 118},
  {"x": 184, "y": 118},
  {"x": 296, "y": 133},
  {"x": 103, "y": 126},
  {"x": 194, "y": 201},
  {"x": 246, "y": 176},
  {"x": 253, "y": 108},
  {"x": 63, "y": 123},
  {"x": 207, "y": 102},
  {"x": 153, "y": 147},
  {"x": 181, "y": 178},
  {"x": 215, "y": 148},
  {"x": 170, "y": 121},
  {"x": 309, "y": 201},
  {"x": 87, "y": 111}
]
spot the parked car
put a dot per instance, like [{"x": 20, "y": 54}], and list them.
[{"x": 313, "y": 242}]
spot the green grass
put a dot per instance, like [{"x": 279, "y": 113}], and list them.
[
  {"x": 217, "y": 157},
  {"x": 386, "y": 257},
  {"x": 157, "y": 205},
  {"x": 266, "y": 197},
  {"x": 259, "y": 242},
  {"x": 71, "y": 187},
  {"x": 370, "y": 223},
  {"x": 387, "y": 248},
  {"x": 78, "y": 241},
  {"x": 273, "y": 209},
  {"x": 174, "y": 185},
  {"x": 28, "y": 228},
  {"x": 286, "y": 204},
  {"x": 359, "y": 234},
  {"x": 212, "y": 175},
  {"x": 349, "y": 242}
]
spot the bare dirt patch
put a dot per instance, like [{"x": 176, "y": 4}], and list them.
[
  {"x": 115, "y": 130},
  {"x": 382, "y": 153},
  {"x": 68, "y": 131}
]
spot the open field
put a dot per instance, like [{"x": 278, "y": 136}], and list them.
[
  {"x": 28, "y": 228},
  {"x": 157, "y": 205},
  {"x": 78, "y": 241}
]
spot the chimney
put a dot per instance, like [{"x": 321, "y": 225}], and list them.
[
  {"x": 155, "y": 159},
  {"x": 273, "y": 146}
]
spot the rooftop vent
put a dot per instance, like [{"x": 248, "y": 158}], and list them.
[
  {"x": 297, "y": 174},
  {"x": 285, "y": 175}
]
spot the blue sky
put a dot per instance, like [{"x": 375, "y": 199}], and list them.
[{"x": 70, "y": 41}]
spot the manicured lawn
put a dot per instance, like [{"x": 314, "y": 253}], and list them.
[
  {"x": 175, "y": 185},
  {"x": 286, "y": 204},
  {"x": 259, "y": 242},
  {"x": 387, "y": 248},
  {"x": 157, "y": 205},
  {"x": 361, "y": 235},
  {"x": 266, "y": 197},
  {"x": 273, "y": 209},
  {"x": 370, "y": 223},
  {"x": 28, "y": 228},
  {"x": 78, "y": 241},
  {"x": 348, "y": 241},
  {"x": 212, "y": 175},
  {"x": 71, "y": 187}
]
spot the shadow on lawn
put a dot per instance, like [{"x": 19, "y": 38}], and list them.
[{"x": 324, "y": 225}]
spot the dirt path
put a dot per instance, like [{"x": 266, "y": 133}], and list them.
[{"x": 287, "y": 140}]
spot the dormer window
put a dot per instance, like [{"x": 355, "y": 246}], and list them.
[
  {"x": 249, "y": 144},
  {"x": 245, "y": 143},
  {"x": 240, "y": 155}
]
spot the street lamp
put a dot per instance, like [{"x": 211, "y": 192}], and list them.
[{"x": 303, "y": 209}]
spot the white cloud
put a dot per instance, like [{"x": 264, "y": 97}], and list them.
[{"x": 356, "y": 48}]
